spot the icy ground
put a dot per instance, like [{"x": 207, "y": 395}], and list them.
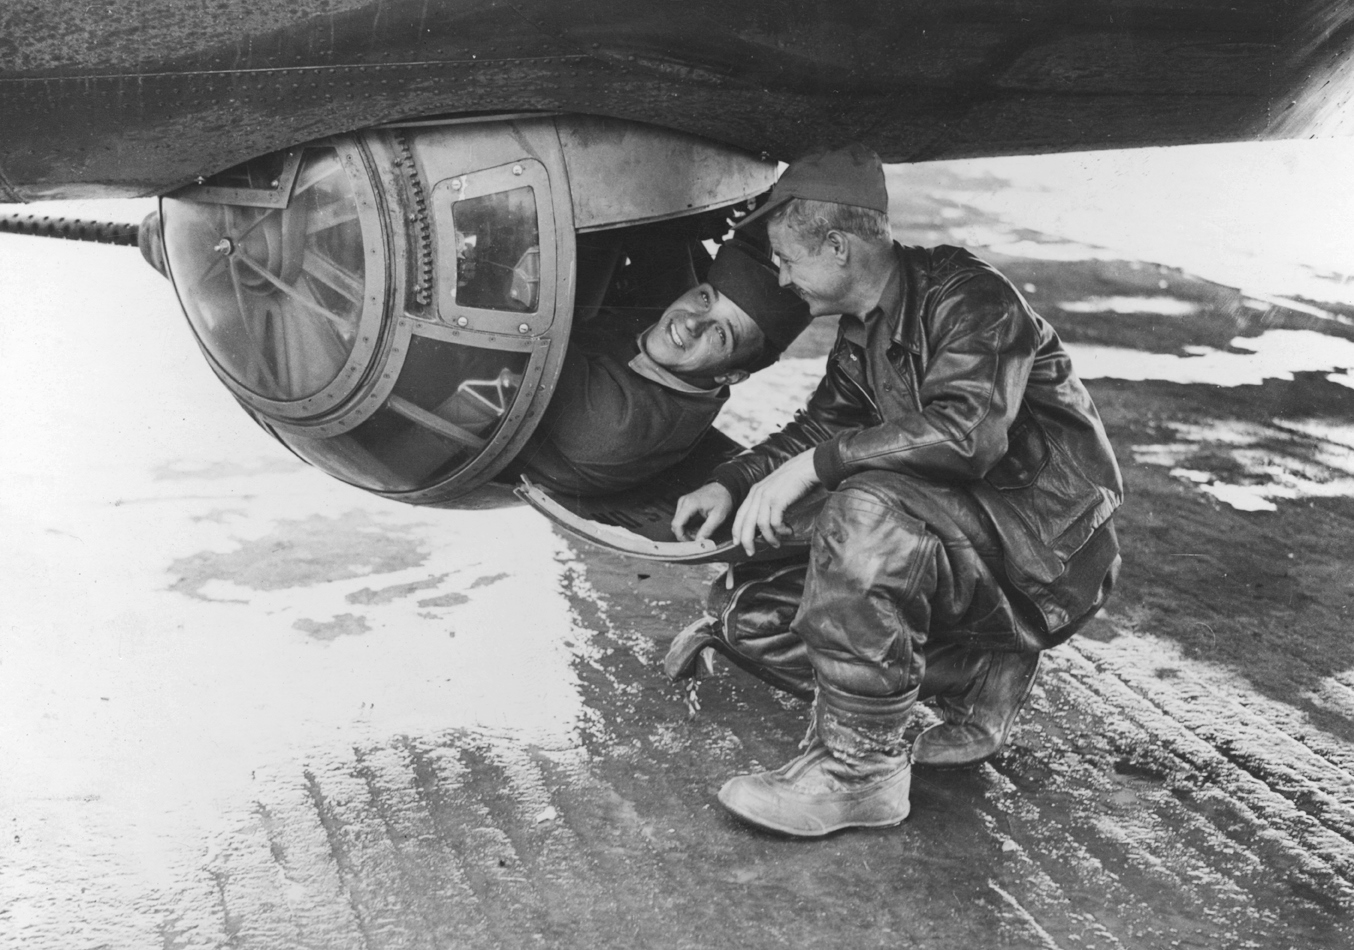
[{"x": 247, "y": 706}]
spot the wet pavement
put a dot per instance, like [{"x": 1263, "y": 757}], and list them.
[{"x": 247, "y": 706}]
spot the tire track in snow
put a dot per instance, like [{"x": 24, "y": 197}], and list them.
[
  {"x": 1244, "y": 771},
  {"x": 1166, "y": 871}
]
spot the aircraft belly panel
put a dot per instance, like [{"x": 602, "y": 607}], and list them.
[{"x": 148, "y": 95}]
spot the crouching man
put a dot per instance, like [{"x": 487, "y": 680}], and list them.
[{"x": 966, "y": 519}]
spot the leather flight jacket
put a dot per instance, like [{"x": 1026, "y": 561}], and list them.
[{"x": 955, "y": 379}]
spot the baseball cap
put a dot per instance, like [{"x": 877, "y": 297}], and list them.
[
  {"x": 744, "y": 273},
  {"x": 847, "y": 176}
]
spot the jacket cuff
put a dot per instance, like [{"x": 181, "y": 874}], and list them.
[
  {"x": 828, "y": 464},
  {"x": 733, "y": 483}
]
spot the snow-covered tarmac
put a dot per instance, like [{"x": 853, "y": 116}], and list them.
[{"x": 246, "y": 705}]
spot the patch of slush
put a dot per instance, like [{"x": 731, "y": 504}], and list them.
[
  {"x": 1161, "y": 306},
  {"x": 454, "y": 599},
  {"x": 1327, "y": 430},
  {"x": 1240, "y": 497},
  {"x": 385, "y": 595},
  {"x": 1334, "y": 694},
  {"x": 1288, "y": 459},
  {"x": 344, "y": 625},
  {"x": 1275, "y": 354},
  {"x": 303, "y": 553}
]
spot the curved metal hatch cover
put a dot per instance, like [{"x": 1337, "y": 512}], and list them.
[{"x": 638, "y": 522}]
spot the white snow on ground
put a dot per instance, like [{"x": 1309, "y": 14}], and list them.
[
  {"x": 1275, "y": 354},
  {"x": 1328, "y": 430},
  {"x": 1344, "y": 379},
  {"x": 1301, "y": 458},
  {"x": 1161, "y": 306},
  {"x": 140, "y": 719},
  {"x": 1268, "y": 217}
]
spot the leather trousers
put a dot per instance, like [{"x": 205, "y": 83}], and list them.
[{"x": 899, "y": 569}]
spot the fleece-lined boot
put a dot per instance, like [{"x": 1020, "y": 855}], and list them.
[
  {"x": 855, "y": 773},
  {"x": 817, "y": 794}
]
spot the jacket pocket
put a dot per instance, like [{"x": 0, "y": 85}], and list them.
[
  {"x": 1043, "y": 520},
  {"x": 1059, "y": 505},
  {"x": 1026, "y": 454}
]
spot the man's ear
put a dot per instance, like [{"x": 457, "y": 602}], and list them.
[
  {"x": 732, "y": 377},
  {"x": 838, "y": 246}
]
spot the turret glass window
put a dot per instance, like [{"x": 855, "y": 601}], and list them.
[
  {"x": 275, "y": 294},
  {"x": 498, "y": 251}
]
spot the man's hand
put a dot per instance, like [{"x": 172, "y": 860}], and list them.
[
  {"x": 764, "y": 508},
  {"x": 711, "y": 502}
]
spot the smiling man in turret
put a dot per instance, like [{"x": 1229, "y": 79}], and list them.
[
  {"x": 636, "y": 394},
  {"x": 967, "y": 489}
]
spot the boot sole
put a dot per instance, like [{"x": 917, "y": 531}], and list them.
[
  {"x": 807, "y": 835},
  {"x": 815, "y": 829}
]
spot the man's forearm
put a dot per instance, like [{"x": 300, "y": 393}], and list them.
[{"x": 739, "y": 474}]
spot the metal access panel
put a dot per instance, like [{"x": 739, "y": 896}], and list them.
[
  {"x": 638, "y": 522},
  {"x": 626, "y": 173}
]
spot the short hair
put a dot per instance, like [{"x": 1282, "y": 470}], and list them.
[{"x": 810, "y": 221}]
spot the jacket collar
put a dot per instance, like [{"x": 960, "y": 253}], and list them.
[
  {"x": 906, "y": 313},
  {"x": 644, "y": 365},
  {"x": 892, "y": 307}
]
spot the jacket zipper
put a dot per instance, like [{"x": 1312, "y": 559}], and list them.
[{"x": 868, "y": 398}]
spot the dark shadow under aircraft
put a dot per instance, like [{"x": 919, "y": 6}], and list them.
[{"x": 382, "y": 219}]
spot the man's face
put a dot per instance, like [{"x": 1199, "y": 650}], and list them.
[
  {"x": 816, "y": 275},
  {"x": 703, "y": 334}
]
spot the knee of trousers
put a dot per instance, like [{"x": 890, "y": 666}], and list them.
[
  {"x": 864, "y": 543},
  {"x": 866, "y": 605}
]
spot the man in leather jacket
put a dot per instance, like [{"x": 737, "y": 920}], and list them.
[{"x": 967, "y": 490}]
